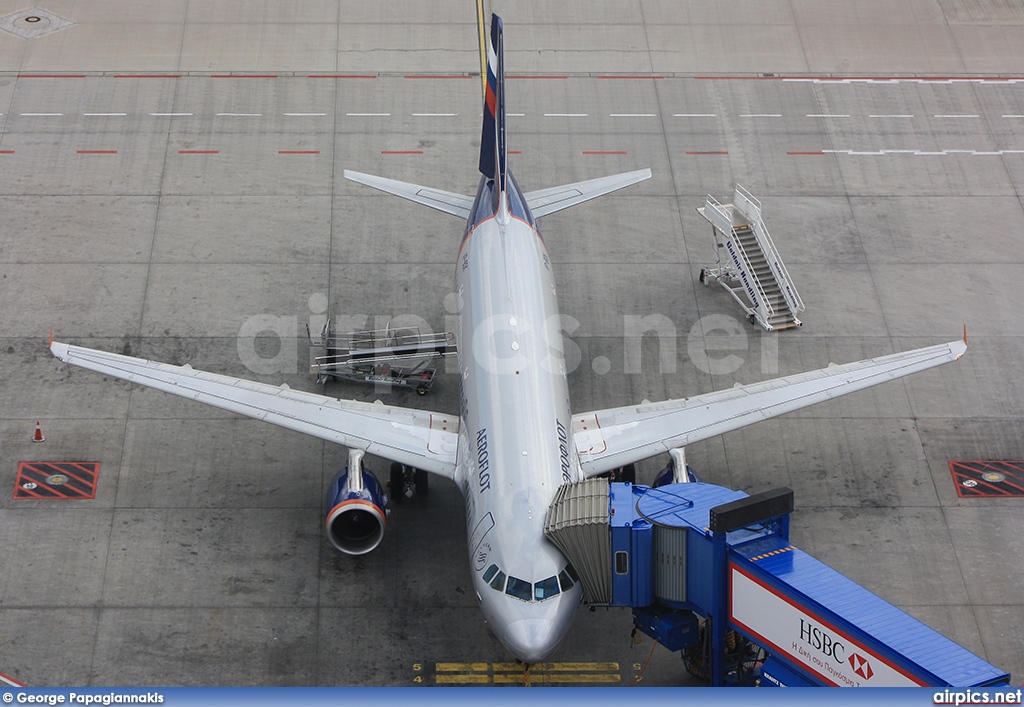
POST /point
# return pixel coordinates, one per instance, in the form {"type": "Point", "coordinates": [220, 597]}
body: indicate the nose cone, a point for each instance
{"type": "Point", "coordinates": [532, 640]}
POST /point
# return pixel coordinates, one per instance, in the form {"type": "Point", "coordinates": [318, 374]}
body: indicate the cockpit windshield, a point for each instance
{"type": "Point", "coordinates": [525, 591]}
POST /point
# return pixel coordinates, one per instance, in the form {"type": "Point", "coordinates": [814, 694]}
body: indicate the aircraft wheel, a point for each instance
{"type": "Point", "coordinates": [703, 277]}
{"type": "Point", "coordinates": [397, 482]}
{"type": "Point", "coordinates": [422, 484]}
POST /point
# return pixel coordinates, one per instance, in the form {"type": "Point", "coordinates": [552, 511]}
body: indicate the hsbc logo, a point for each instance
{"type": "Point", "coordinates": [861, 666]}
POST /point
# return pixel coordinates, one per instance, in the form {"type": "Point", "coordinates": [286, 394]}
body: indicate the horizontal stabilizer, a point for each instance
{"type": "Point", "coordinates": [548, 201]}
{"type": "Point", "coordinates": [446, 201]}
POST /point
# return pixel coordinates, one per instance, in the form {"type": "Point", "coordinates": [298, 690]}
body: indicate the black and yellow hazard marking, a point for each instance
{"type": "Point", "coordinates": [976, 479]}
{"type": "Point", "coordinates": [65, 480]}
{"type": "Point", "coordinates": [598, 673]}
{"type": "Point", "coordinates": [773, 553]}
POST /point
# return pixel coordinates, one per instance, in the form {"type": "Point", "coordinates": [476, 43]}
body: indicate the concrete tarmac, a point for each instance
{"type": "Point", "coordinates": [171, 187]}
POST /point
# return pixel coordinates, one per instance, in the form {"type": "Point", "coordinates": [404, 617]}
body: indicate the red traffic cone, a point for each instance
{"type": "Point", "coordinates": [38, 437]}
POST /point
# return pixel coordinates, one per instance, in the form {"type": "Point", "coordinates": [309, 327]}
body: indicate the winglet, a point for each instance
{"type": "Point", "coordinates": [965, 334]}
{"type": "Point", "coordinates": [51, 337]}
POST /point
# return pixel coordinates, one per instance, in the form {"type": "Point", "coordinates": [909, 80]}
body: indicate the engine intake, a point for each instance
{"type": "Point", "coordinates": [355, 519]}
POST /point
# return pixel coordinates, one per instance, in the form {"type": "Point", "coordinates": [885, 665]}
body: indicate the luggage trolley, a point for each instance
{"type": "Point", "coordinates": [402, 358]}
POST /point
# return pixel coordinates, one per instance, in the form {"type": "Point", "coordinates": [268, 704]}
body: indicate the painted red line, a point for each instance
{"type": "Point", "coordinates": [401, 152]}
{"type": "Point", "coordinates": [720, 152]}
{"type": "Point", "coordinates": [515, 152]}
{"type": "Point", "coordinates": [339, 76]}
{"type": "Point", "coordinates": [51, 76]}
{"type": "Point", "coordinates": [632, 77]}
{"type": "Point", "coordinates": [298, 152]}
{"type": "Point", "coordinates": [243, 76]}
{"type": "Point", "coordinates": [429, 76]}
{"type": "Point", "coordinates": [537, 77]}
{"type": "Point", "coordinates": [817, 152]}
{"type": "Point", "coordinates": [605, 152]}
{"type": "Point", "coordinates": [147, 76]}
{"type": "Point", "coordinates": [198, 152]}
{"type": "Point", "coordinates": [97, 152]}
{"type": "Point", "coordinates": [6, 152]}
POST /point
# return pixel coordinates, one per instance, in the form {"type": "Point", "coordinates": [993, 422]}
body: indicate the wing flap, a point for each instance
{"type": "Point", "coordinates": [417, 438]}
{"type": "Point", "coordinates": [446, 201]}
{"type": "Point", "coordinates": [607, 439]}
{"type": "Point", "coordinates": [547, 201]}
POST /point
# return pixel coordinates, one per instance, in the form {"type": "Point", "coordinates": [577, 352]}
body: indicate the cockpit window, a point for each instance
{"type": "Point", "coordinates": [499, 581]}
{"type": "Point", "coordinates": [490, 573]}
{"type": "Point", "coordinates": [519, 588]}
{"type": "Point", "coordinates": [545, 588]}
{"type": "Point", "coordinates": [564, 581]}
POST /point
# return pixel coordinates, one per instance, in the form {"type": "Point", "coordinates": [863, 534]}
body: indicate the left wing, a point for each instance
{"type": "Point", "coordinates": [424, 440]}
{"type": "Point", "coordinates": [607, 439]}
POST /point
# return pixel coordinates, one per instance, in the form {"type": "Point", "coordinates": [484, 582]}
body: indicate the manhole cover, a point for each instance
{"type": "Point", "coordinates": [988, 478]}
{"type": "Point", "coordinates": [33, 22]}
{"type": "Point", "coordinates": [56, 480]}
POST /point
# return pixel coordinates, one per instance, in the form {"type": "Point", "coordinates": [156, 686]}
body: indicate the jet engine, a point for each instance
{"type": "Point", "coordinates": [355, 518]}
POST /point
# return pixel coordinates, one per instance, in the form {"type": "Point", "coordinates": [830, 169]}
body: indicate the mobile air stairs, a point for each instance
{"type": "Point", "coordinates": [711, 572]}
{"type": "Point", "coordinates": [402, 358]}
{"type": "Point", "coordinates": [753, 272]}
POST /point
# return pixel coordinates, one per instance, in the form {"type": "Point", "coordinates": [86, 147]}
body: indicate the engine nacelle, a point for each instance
{"type": "Point", "coordinates": [355, 517]}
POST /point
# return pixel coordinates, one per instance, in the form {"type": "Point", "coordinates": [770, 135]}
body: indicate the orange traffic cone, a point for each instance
{"type": "Point", "coordinates": [38, 437]}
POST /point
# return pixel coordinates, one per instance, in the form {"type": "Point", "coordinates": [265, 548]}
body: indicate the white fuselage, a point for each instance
{"type": "Point", "coordinates": [515, 446]}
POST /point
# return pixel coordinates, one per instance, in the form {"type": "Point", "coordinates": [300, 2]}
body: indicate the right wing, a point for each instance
{"type": "Point", "coordinates": [608, 439]}
{"type": "Point", "coordinates": [446, 201]}
{"type": "Point", "coordinates": [420, 439]}
{"type": "Point", "coordinates": [547, 201]}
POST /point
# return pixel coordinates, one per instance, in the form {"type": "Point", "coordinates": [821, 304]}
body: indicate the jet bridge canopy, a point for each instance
{"type": "Point", "coordinates": [813, 626]}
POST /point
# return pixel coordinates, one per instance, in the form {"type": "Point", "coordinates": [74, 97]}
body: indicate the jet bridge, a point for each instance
{"type": "Point", "coordinates": [711, 572]}
{"type": "Point", "coordinates": [752, 271]}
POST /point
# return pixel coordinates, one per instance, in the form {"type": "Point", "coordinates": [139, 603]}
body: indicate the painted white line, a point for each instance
{"type": "Point", "coordinates": [632, 115]}
{"type": "Point", "coordinates": [694, 115]}
{"type": "Point", "coordinates": [761, 115]}
{"type": "Point", "coordinates": [105, 114]}
{"type": "Point", "coordinates": [368, 115]}
{"type": "Point", "coordinates": [1013, 116]}
{"type": "Point", "coordinates": [303, 114]}
{"type": "Point", "coordinates": [927, 153]}
{"type": "Point", "coordinates": [434, 115]}
{"type": "Point", "coordinates": [515, 115]}
{"type": "Point", "coordinates": [956, 116]}
{"type": "Point", "coordinates": [827, 115]}
{"type": "Point", "coordinates": [41, 115]}
{"type": "Point", "coordinates": [172, 115]}
{"type": "Point", "coordinates": [565, 115]}
{"type": "Point", "coordinates": [239, 115]}
{"type": "Point", "coordinates": [890, 116]}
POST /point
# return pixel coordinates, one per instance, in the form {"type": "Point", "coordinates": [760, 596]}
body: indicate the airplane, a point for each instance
{"type": "Point", "coordinates": [516, 438]}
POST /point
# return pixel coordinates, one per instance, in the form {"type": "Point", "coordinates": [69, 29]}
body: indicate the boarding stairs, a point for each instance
{"type": "Point", "coordinates": [752, 271]}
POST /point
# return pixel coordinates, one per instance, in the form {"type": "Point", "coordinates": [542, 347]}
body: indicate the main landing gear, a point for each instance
{"type": "Point", "coordinates": [407, 482]}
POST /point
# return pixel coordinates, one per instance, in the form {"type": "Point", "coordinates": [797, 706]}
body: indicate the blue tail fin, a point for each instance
{"type": "Point", "coordinates": [493, 162]}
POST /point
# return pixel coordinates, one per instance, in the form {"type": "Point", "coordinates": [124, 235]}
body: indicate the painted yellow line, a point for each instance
{"type": "Point", "coordinates": [462, 679]}
{"type": "Point", "coordinates": [462, 667]}
{"type": "Point", "coordinates": [561, 678]}
{"type": "Point", "coordinates": [550, 667]}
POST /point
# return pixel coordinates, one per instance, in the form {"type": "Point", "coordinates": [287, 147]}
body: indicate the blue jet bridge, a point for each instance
{"type": "Point", "coordinates": [711, 572]}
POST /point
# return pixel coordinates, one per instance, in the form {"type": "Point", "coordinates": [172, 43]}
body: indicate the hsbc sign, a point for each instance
{"type": "Point", "coordinates": [784, 628]}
